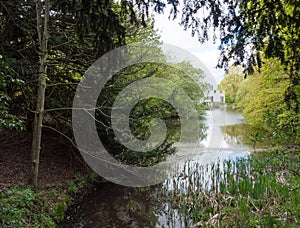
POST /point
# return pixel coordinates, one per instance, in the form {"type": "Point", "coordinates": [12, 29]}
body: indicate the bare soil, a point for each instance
{"type": "Point", "coordinates": [59, 161]}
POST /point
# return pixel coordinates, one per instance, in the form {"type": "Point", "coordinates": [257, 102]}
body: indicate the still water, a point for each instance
{"type": "Point", "coordinates": [111, 205]}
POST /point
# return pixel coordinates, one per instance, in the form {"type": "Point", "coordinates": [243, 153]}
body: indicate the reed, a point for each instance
{"type": "Point", "coordinates": [251, 192]}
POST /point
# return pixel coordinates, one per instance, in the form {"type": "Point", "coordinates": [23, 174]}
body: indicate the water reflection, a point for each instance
{"type": "Point", "coordinates": [219, 142]}
{"type": "Point", "coordinates": [111, 205]}
{"type": "Point", "coordinates": [243, 134]}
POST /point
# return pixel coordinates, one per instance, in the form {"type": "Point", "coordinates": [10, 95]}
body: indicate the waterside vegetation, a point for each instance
{"type": "Point", "coordinates": [260, 191]}
{"type": "Point", "coordinates": [46, 47]}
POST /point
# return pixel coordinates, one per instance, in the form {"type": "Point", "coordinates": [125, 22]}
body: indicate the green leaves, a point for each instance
{"type": "Point", "coordinates": [262, 96]}
{"type": "Point", "coordinates": [246, 29]}
{"type": "Point", "coordinates": [231, 82]}
{"type": "Point", "coordinates": [181, 76]}
{"type": "Point", "coordinates": [7, 119]}
{"type": "Point", "coordinates": [14, 205]}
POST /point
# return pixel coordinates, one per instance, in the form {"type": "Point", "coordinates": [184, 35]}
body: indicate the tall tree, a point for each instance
{"type": "Point", "coordinates": [261, 98]}
{"type": "Point", "coordinates": [42, 19]}
{"type": "Point", "coordinates": [82, 30]}
{"type": "Point", "coordinates": [245, 28]}
{"type": "Point", "coordinates": [230, 84]}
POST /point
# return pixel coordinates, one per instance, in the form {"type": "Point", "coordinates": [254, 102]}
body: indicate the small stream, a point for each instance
{"type": "Point", "coordinates": [112, 205]}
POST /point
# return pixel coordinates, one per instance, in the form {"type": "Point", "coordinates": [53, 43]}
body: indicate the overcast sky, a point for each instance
{"type": "Point", "coordinates": [172, 33]}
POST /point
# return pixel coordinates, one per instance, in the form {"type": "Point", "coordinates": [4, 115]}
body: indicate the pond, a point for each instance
{"type": "Point", "coordinates": [111, 205]}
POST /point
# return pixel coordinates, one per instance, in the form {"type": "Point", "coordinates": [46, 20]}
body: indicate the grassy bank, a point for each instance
{"type": "Point", "coordinates": [22, 206]}
{"type": "Point", "coordinates": [262, 191]}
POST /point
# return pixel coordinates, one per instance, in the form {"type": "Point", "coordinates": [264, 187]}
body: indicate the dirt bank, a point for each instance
{"type": "Point", "coordinates": [59, 161]}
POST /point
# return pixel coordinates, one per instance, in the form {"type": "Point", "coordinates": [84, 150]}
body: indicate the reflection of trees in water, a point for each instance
{"type": "Point", "coordinates": [243, 134]}
{"type": "Point", "coordinates": [113, 205]}
{"type": "Point", "coordinates": [236, 134]}
{"type": "Point", "coordinates": [174, 129]}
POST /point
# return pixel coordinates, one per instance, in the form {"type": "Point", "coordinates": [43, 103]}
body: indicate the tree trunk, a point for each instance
{"type": "Point", "coordinates": [43, 33]}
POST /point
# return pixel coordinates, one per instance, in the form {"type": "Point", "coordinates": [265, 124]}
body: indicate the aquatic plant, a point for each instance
{"type": "Point", "coordinates": [257, 191]}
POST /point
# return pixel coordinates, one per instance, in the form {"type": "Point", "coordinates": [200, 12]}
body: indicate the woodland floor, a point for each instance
{"type": "Point", "coordinates": [58, 162]}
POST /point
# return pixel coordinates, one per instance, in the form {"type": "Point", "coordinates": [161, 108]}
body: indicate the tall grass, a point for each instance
{"type": "Point", "coordinates": [257, 191]}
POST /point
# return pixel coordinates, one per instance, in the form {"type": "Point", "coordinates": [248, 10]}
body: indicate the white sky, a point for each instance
{"type": "Point", "coordinates": [172, 33]}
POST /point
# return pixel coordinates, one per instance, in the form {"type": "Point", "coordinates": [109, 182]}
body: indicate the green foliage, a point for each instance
{"type": "Point", "coordinates": [231, 82]}
{"type": "Point", "coordinates": [18, 207]}
{"type": "Point", "coordinates": [242, 24]}
{"type": "Point", "coordinates": [78, 183]}
{"type": "Point", "coordinates": [85, 37]}
{"type": "Point", "coordinates": [90, 29]}
{"type": "Point", "coordinates": [21, 206]}
{"type": "Point", "coordinates": [289, 126]}
{"type": "Point", "coordinates": [7, 119]}
{"type": "Point", "coordinates": [261, 97]}
{"type": "Point", "coordinates": [59, 211]}
{"type": "Point", "coordinates": [247, 30]}
{"type": "Point", "coordinates": [228, 99]}
{"type": "Point", "coordinates": [180, 75]}
{"type": "Point", "coordinates": [14, 205]}
{"type": "Point", "coordinates": [270, 26]}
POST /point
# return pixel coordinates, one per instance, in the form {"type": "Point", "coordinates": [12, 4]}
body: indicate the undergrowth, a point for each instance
{"type": "Point", "coordinates": [22, 206]}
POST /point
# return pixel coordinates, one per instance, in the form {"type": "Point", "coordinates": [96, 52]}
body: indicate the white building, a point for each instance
{"type": "Point", "coordinates": [215, 96]}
